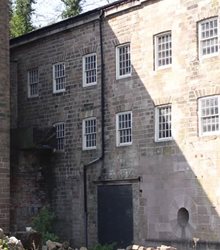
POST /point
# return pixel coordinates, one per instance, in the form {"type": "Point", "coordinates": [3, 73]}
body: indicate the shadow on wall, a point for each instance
{"type": "Point", "coordinates": [176, 201]}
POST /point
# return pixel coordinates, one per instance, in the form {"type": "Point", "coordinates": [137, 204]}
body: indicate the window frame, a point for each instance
{"type": "Point", "coordinates": [84, 139]}
{"type": "Point", "coordinates": [156, 52]}
{"type": "Point", "coordinates": [55, 91]}
{"type": "Point", "coordinates": [157, 124]}
{"type": "Point", "coordinates": [201, 56]}
{"type": "Point", "coordinates": [118, 76]}
{"type": "Point", "coordinates": [29, 83]}
{"type": "Point", "coordinates": [85, 84]}
{"type": "Point", "coordinates": [58, 138]}
{"type": "Point", "coordinates": [201, 133]}
{"type": "Point", "coordinates": [118, 143]}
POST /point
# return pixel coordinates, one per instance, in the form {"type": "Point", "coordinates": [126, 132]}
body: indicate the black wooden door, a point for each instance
{"type": "Point", "coordinates": [115, 215]}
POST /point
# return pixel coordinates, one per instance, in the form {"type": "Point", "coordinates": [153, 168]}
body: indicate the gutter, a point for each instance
{"type": "Point", "coordinates": [101, 157]}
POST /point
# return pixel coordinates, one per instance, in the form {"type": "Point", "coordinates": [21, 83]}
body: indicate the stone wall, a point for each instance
{"type": "Point", "coordinates": [177, 174]}
{"type": "Point", "coordinates": [182, 173]}
{"type": "Point", "coordinates": [4, 117]}
{"type": "Point", "coordinates": [168, 178]}
{"type": "Point", "coordinates": [64, 176]}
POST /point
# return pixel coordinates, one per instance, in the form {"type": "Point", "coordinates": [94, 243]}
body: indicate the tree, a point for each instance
{"type": "Point", "coordinates": [72, 8]}
{"type": "Point", "coordinates": [20, 22]}
{"type": "Point", "coordinates": [10, 9]}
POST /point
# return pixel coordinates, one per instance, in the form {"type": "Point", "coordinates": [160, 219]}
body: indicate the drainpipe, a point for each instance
{"type": "Point", "coordinates": [85, 167]}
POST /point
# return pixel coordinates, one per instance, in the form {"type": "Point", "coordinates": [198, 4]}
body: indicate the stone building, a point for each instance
{"type": "Point", "coordinates": [131, 93]}
{"type": "Point", "coordinates": [5, 116]}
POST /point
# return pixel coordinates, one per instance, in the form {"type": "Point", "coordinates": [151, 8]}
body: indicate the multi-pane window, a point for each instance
{"type": "Point", "coordinates": [123, 61]}
{"type": "Point", "coordinates": [208, 37]}
{"type": "Point", "coordinates": [89, 69]}
{"type": "Point", "coordinates": [124, 128]}
{"type": "Point", "coordinates": [89, 133]}
{"type": "Point", "coordinates": [33, 80]}
{"type": "Point", "coordinates": [163, 123]}
{"type": "Point", "coordinates": [60, 135]}
{"type": "Point", "coordinates": [59, 77]}
{"type": "Point", "coordinates": [209, 108]}
{"type": "Point", "coordinates": [163, 50]}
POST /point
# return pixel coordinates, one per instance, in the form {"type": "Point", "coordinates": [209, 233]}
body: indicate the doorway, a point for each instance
{"type": "Point", "coordinates": [115, 215]}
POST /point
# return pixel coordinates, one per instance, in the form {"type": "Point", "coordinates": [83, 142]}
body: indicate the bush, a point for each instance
{"type": "Point", "coordinates": [104, 247]}
{"type": "Point", "coordinates": [43, 223]}
{"type": "Point", "coordinates": [4, 244]}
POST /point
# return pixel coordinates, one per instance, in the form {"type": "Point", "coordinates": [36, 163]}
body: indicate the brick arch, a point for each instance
{"type": "Point", "coordinates": [89, 50]}
{"type": "Point", "coordinates": [215, 90]}
{"type": "Point", "coordinates": [163, 100]}
{"type": "Point", "coordinates": [207, 13]}
{"type": "Point", "coordinates": [124, 39]}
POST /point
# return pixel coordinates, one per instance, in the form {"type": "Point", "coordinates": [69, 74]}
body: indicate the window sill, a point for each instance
{"type": "Point", "coordinates": [88, 149]}
{"type": "Point", "coordinates": [123, 77]}
{"type": "Point", "coordinates": [85, 85]}
{"type": "Point", "coordinates": [33, 96]}
{"type": "Point", "coordinates": [59, 92]}
{"type": "Point", "coordinates": [159, 68]}
{"type": "Point", "coordinates": [164, 140]}
{"type": "Point", "coordinates": [206, 57]}
{"type": "Point", "coordinates": [209, 135]}
{"type": "Point", "coordinates": [56, 151]}
{"type": "Point", "coordinates": [123, 145]}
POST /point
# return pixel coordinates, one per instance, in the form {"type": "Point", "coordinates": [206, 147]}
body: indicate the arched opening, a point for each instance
{"type": "Point", "coordinates": [183, 217]}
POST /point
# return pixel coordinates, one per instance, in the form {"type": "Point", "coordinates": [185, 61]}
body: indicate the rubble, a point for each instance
{"type": "Point", "coordinates": [52, 245]}
{"type": "Point", "coordinates": [34, 243]}
{"type": "Point", "coordinates": [138, 247]}
{"type": "Point", "coordinates": [9, 243]}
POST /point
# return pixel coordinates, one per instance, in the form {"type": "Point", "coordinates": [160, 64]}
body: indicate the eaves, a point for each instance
{"type": "Point", "coordinates": [75, 21]}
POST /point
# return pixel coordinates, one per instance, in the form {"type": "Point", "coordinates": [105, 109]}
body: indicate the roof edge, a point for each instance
{"type": "Point", "coordinates": [63, 25]}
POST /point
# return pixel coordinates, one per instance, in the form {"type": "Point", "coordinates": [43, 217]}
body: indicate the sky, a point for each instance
{"type": "Point", "coordinates": [49, 11]}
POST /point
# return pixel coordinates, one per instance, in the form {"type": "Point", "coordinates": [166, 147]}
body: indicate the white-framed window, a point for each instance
{"type": "Point", "coordinates": [124, 128]}
{"type": "Point", "coordinates": [123, 61]}
{"type": "Point", "coordinates": [33, 81]}
{"type": "Point", "coordinates": [59, 77]}
{"type": "Point", "coordinates": [163, 123]}
{"type": "Point", "coordinates": [89, 133]}
{"type": "Point", "coordinates": [209, 37]}
{"type": "Point", "coordinates": [60, 135]}
{"type": "Point", "coordinates": [209, 111]}
{"type": "Point", "coordinates": [163, 50]}
{"type": "Point", "coordinates": [89, 70]}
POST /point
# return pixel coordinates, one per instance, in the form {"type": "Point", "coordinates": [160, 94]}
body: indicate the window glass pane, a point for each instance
{"type": "Point", "coordinates": [209, 36]}
{"type": "Point", "coordinates": [164, 49]}
{"type": "Point", "coordinates": [124, 128]}
{"type": "Point", "coordinates": [33, 82]}
{"type": "Point", "coordinates": [124, 61]}
{"type": "Point", "coordinates": [90, 133]}
{"type": "Point", "coordinates": [59, 76]}
{"type": "Point", "coordinates": [60, 132]}
{"type": "Point", "coordinates": [209, 114]}
{"type": "Point", "coordinates": [90, 69]}
{"type": "Point", "coordinates": [164, 122]}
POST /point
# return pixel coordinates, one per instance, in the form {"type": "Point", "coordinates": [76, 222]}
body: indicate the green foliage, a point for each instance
{"type": "Point", "coordinates": [104, 247]}
{"type": "Point", "coordinates": [72, 8]}
{"type": "Point", "coordinates": [43, 223]}
{"type": "Point", "coordinates": [20, 17]}
{"type": "Point", "coordinates": [10, 9]}
{"type": "Point", "coordinates": [4, 244]}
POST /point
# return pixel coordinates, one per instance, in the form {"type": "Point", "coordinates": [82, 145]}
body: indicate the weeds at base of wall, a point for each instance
{"type": "Point", "coordinates": [104, 247]}
{"type": "Point", "coordinates": [43, 222]}
{"type": "Point", "coordinates": [3, 244]}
